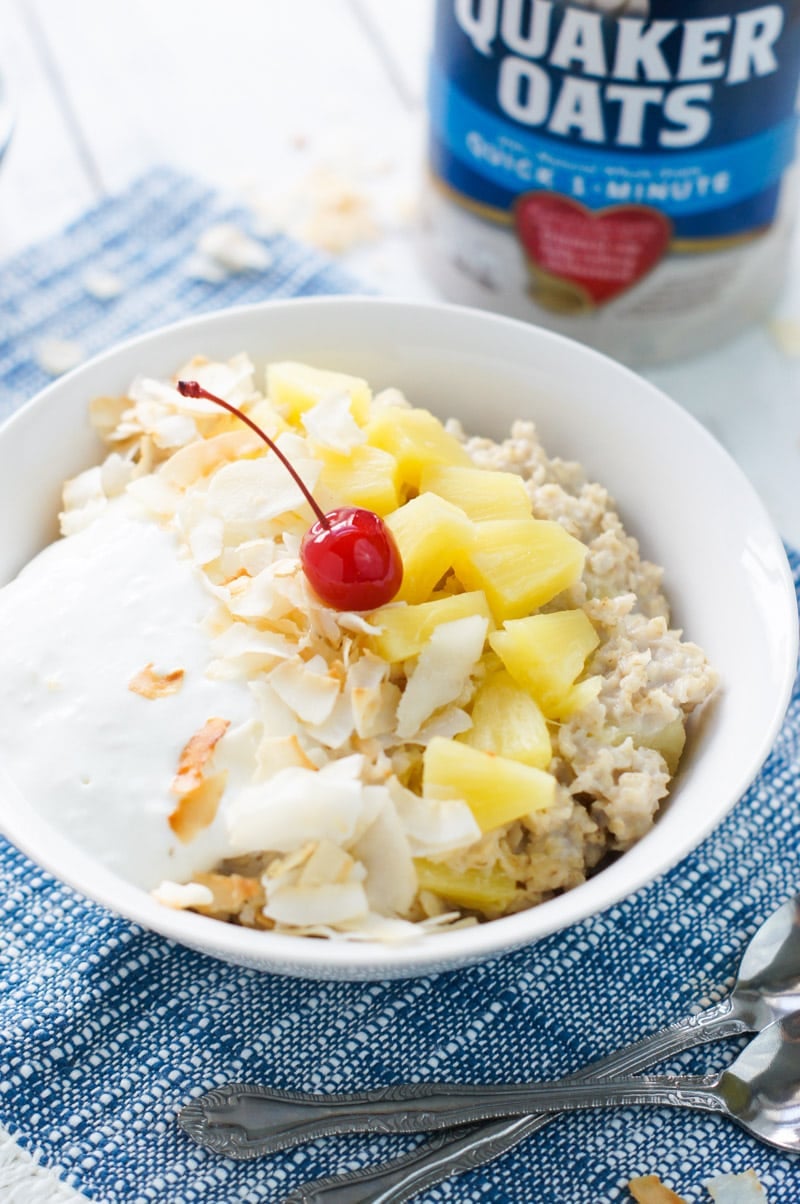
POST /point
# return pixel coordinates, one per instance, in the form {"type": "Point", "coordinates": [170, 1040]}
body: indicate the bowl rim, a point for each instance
{"type": "Point", "coordinates": [301, 956]}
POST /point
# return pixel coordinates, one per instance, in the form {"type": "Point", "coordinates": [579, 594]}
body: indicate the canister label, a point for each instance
{"type": "Point", "coordinates": [607, 141]}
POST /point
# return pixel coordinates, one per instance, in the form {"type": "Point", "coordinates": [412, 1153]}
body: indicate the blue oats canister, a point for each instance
{"type": "Point", "coordinates": [622, 171]}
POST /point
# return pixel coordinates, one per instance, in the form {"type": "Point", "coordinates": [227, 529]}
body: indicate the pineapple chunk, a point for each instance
{"type": "Point", "coordinates": [416, 439]}
{"type": "Point", "coordinates": [293, 388]}
{"type": "Point", "coordinates": [495, 789]}
{"type": "Point", "coordinates": [366, 477]}
{"type": "Point", "coordinates": [545, 654]}
{"type": "Point", "coordinates": [577, 697]}
{"type": "Point", "coordinates": [429, 532]}
{"type": "Point", "coordinates": [480, 493]}
{"type": "Point", "coordinates": [478, 890]}
{"type": "Point", "coordinates": [406, 629]}
{"type": "Point", "coordinates": [507, 721]}
{"type": "Point", "coordinates": [520, 563]}
{"type": "Point", "coordinates": [667, 740]}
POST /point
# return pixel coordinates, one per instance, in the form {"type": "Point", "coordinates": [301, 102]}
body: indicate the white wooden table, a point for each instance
{"type": "Point", "coordinates": [256, 94]}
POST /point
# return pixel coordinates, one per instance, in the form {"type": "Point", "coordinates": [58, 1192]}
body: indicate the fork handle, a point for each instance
{"type": "Point", "coordinates": [396, 1181]}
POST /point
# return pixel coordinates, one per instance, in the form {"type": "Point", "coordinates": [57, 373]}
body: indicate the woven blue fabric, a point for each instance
{"type": "Point", "coordinates": [107, 1030]}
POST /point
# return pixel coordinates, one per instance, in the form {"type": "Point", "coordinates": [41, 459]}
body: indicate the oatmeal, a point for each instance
{"type": "Point", "coordinates": [486, 739]}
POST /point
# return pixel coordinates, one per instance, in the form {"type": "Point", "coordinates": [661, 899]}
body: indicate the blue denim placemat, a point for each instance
{"type": "Point", "coordinates": [106, 1030]}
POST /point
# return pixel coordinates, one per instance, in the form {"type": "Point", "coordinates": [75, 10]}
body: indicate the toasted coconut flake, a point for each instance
{"type": "Point", "coordinates": [84, 489]}
{"type": "Point", "coordinates": [116, 473]}
{"type": "Point", "coordinates": [197, 807]}
{"type": "Point", "coordinates": [149, 683]}
{"type": "Point", "coordinates": [308, 689]}
{"type": "Point", "coordinates": [330, 423]}
{"type": "Point", "coordinates": [196, 754]}
{"type": "Point", "coordinates": [229, 893]}
{"type": "Point", "coordinates": [744, 1188]}
{"type": "Point", "coordinates": [298, 805]}
{"type": "Point", "coordinates": [234, 379]}
{"type": "Point", "coordinates": [206, 541]}
{"type": "Point", "coordinates": [182, 895]}
{"type": "Point", "coordinates": [328, 865]}
{"type": "Point", "coordinates": [84, 500]}
{"type": "Point", "coordinates": [190, 464]}
{"type": "Point", "coordinates": [375, 710]}
{"type": "Point", "coordinates": [280, 752]}
{"type": "Point", "coordinates": [299, 906]}
{"type": "Point", "coordinates": [174, 431]}
{"type": "Point", "coordinates": [442, 671]}
{"type": "Point", "coordinates": [337, 730]}
{"type": "Point", "coordinates": [248, 494]}
{"type": "Point", "coordinates": [433, 827]}
{"type": "Point", "coordinates": [648, 1189]}
{"type": "Point", "coordinates": [247, 650]}
{"type": "Point", "coordinates": [155, 495]}
{"type": "Point", "coordinates": [383, 850]}
{"type": "Point", "coordinates": [277, 719]}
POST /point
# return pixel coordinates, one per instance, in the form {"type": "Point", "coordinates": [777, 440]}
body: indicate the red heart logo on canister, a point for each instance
{"type": "Point", "coordinates": [579, 258]}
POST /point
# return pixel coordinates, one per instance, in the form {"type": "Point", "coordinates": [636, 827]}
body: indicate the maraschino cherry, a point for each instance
{"type": "Point", "coordinates": [349, 555]}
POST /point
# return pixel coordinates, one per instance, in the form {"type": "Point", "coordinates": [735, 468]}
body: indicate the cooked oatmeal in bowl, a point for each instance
{"type": "Point", "coordinates": [491, 752]}
{"type": "Point", "coordinates": [508, 720]}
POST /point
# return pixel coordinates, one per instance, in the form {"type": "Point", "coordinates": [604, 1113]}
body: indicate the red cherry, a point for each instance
{"type": "Point", "coordinates": [349, 555]}
{"type": "Point", "coordinates": [353, 563]}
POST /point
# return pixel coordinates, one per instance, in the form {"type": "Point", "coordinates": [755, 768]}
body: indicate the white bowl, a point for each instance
{"type": "Point", "coordinates": [677, 490]}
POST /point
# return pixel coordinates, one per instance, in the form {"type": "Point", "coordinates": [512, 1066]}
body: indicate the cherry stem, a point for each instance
{"type": "Point", "coordinates": [192, 388]}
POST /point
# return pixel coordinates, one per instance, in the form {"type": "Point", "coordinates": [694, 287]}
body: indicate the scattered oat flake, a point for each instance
{"type": "Point", "coordinates": [56, 356]}
{"type": "Point", "coordinates": [151, 684]}
{"type": "Point", "coordinates": [650, 1190]}
{"type": "Point", "coordinates": [196, 755]}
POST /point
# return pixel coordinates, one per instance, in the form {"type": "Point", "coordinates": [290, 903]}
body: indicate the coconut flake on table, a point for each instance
{"type": "Point", "coordinates": [229, 248]}
{"type": "Point", "coordinates": [57, 356]}
{"type": "Point", "coordinates": [102, 284]}
{"type": "Point", "coordinates": [744, 1188]}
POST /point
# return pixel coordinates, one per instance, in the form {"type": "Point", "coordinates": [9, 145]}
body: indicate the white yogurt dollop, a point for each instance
{"type": "Point", "coordinates": [97, 760]}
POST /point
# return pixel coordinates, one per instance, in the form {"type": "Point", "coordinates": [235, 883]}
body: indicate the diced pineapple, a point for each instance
{"type": "Point", "coordinates": [294, 387]}
{"type": "Point", "coordinates": [416, 439]}
{"type": "Point", "coordinates": [366, 477]}
{"type": "Point", "coordinates": [406, 629]}
{"type": "Point", "coordinates": [668, 740]}
{"type": "Point", "coordinates": [507, 721]}
{"type": "Point", "coordinates": [520, 564]}
{"type": "Point", "coordinates": [480, 493]}
{"type": "Point", "coordinates": [577, 697]}
{"type": "Point", "coordinates": [429, 533]}
{"type": "Point", "coordinates": [546, 653]}
{"type": "Point", "coordinates": [488, 890]}
{"type": "Point", "coordinates": [495, 789]}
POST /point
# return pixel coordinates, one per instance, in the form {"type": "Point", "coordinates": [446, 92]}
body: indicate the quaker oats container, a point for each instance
{"type": "Point", "coordinates": [620, 171]}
